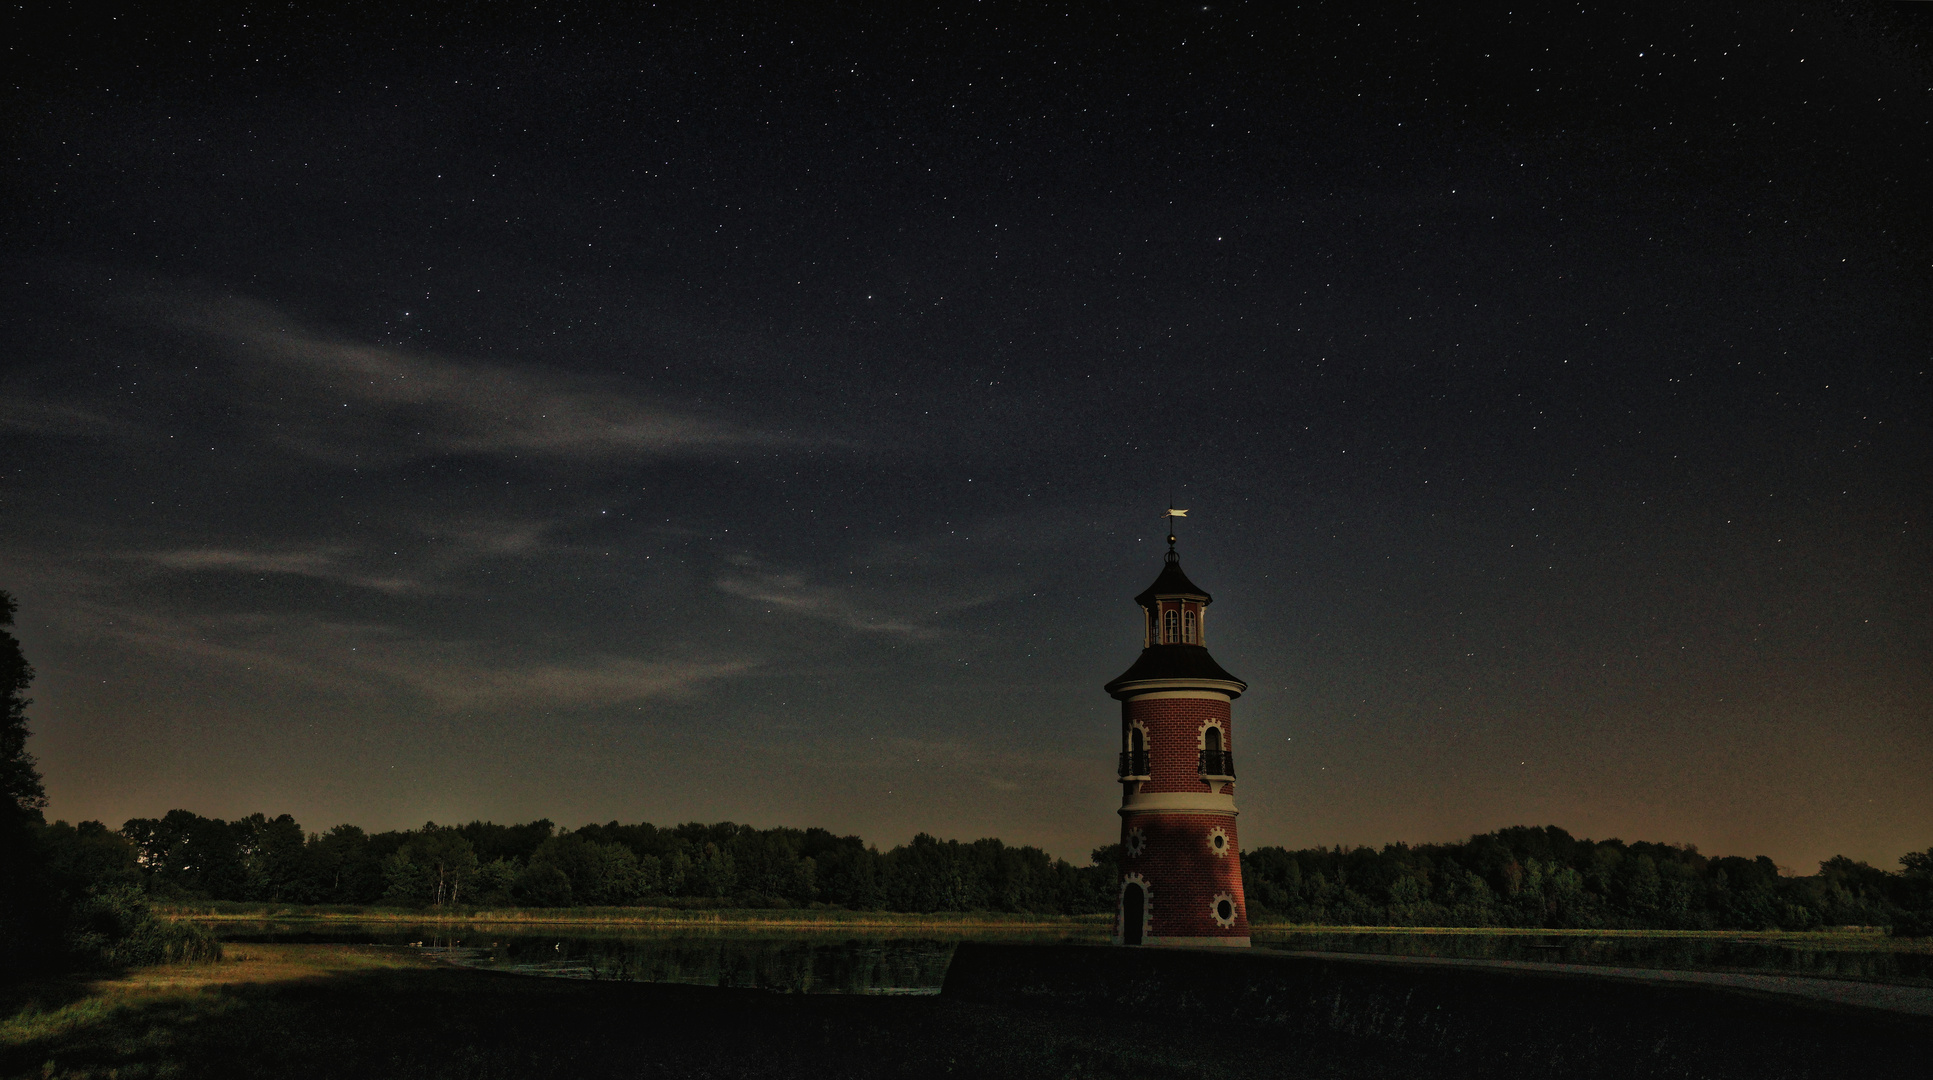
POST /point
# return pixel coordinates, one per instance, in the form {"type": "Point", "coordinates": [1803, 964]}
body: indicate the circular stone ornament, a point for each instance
{"type": "Point", "coordinates": [1222, 907]}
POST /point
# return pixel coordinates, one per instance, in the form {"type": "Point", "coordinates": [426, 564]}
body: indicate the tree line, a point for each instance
{"type": "Point", "coordinates": [1523, 876]}
{"type": "Point", "coordinates": [1544, 877]}
{"type": "Point", "coordinates": [185, 856]}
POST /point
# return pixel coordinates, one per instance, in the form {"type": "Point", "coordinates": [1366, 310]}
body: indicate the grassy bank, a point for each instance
{"type": "Point", "coordinates": [314, 1011]}
{"type": "Point", "coordinates": [774, 918]}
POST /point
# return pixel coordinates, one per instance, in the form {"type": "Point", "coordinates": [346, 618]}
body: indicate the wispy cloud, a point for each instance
{"type": "Point", "coordinates": [300, 649]}
{"type": "Point", "coordinates": [344, 400]}
{"type": "Point", "coordinates": [383, 661]}
{"type": "Point", "coordinates": [598, 681]}
{"type": "Point", "coordinates": [326, 564]}
{"type": "Point", "coordinates": [475, 538]}
{"type": "Point", "coordinates": [419, 555]}
{"type": "Point", "coordinates": [1004, 770]}
{"type": "Point", "coordinates": [791, 592]}
{"type": "Point", "coordinates": [50, 418]}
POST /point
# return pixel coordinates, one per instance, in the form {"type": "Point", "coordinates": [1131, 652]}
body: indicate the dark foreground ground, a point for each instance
{"type": "Point", "coordinates": [345, 1011]}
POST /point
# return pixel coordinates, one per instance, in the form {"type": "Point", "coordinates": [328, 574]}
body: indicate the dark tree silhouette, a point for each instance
{"type": "Point", "coordinates": [22, 795]}
{"type": "Point", "coordinates": [30, 914]}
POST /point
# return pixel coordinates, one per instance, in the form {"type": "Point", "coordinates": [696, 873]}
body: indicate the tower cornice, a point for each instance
{"type": "Point", "coordinates": [1123, 689]}
{"type": "Point", "coordinates": [1175, 667]}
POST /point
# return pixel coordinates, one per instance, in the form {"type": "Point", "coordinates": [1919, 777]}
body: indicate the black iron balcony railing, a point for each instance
{"type": "Point", "coordinates": [1134, 763]}
{"type": "Point", "coordinates": [1218, 763]}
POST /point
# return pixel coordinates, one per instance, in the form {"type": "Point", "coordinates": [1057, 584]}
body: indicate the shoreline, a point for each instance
{"type": "Point", "coordinates": [805, 919]}
{"type": "Point", "coordinates": [668, 917]}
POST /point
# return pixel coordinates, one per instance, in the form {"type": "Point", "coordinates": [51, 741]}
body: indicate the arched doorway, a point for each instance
{"type": "Point", "coordinates": [1134, 904]}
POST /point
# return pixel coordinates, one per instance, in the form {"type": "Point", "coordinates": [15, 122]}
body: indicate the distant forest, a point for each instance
{"type": "Point", "coordinates": [1524, 876]}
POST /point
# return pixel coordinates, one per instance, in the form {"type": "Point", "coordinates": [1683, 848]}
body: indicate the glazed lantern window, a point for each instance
{"type": "Point", "coordinates": [1188, 626]}
{"type": "Point", "coordinates": [1171, 626]}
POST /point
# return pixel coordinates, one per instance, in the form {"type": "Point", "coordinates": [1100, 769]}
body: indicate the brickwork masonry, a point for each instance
{"type": "Point", "coordinates": [1186, 874]}
{"type": "Point", "coordinates": [1174, 728]}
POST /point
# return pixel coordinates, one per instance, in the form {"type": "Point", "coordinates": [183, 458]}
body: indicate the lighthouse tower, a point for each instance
{"type": "Point", "coordinates": [1181, 872]}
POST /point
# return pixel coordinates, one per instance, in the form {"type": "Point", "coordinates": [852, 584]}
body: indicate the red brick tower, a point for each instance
{"type": "Point", "coordinates": [1181, 871]}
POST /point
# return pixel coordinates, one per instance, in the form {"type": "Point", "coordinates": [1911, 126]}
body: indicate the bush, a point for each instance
{"type": "Point", "coordinates": [113, 927]}
{"type": "Point", "coordinates": [542, 885]}
{"type": "Point", "coordinates": [1912, 924]}
{"type": "Point", "coordinates": [165, 941]}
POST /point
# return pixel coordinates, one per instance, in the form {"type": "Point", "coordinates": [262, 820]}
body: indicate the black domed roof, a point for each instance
{"type": "Point", "coordinates": [1172, 582]}
{"type": "Point", "coordinates": [1178, 664]}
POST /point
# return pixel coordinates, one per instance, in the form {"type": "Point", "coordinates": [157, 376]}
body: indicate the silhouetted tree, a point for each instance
{"type": "Point", "coordinates": [185, 855]}
{"type": "Point", "coordinates": [598, 873]}
{"type": "Point", "coordinates": [432, 867]}
{"type": "Point", "coordinates": [28, 909]}
{"type": "Point", "coordinates": [22, 795]}
{"type": "Point", "coordinates": [339, 868]}
{"type": "Point", "coordinates": [274, 853]}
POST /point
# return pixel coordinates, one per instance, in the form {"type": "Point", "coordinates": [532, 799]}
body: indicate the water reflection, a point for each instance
{"type": "Point", "coordinates": [793, 961]}
{"type": "Point", "coordinates": [914, 961]}
{"type": "Point", "coordinates": [1867, 958]}
{"type": "Point", "coordinates": [809, 965]}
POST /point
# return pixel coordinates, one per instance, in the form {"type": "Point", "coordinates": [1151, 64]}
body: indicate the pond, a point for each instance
{"type": "Point", "coordinates": [791, 960]}
{"type": "Point", "coordinates": [914, 961]}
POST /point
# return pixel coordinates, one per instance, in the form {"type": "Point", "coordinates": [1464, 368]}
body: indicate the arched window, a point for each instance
{"type": "Point", "coordinates": [1216, 761]}
{"type": "Point", "coordinates": [1171, 626]}
{"type": "Point", "coordinates": [1188, 626]}
{"type": "Point", "coordinates": [1134, 760]}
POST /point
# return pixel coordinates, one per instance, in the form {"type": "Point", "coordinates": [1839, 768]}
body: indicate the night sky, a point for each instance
{"type": "Point", "coordinates": [730, 412]}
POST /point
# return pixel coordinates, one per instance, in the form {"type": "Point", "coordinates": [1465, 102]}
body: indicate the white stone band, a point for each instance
{"type": "Point", "coordinates": [1209, 695]}
{"type": "Point", "coordinates": [1143, 687]}
{"type": "Point", "coordinates": [1178, 802]}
